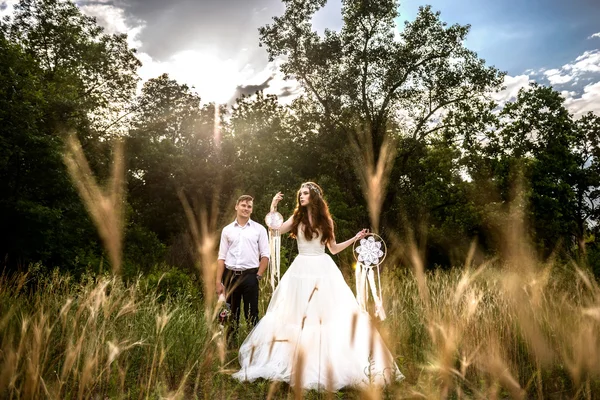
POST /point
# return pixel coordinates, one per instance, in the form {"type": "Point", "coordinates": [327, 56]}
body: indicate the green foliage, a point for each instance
{"type": "Point", "coordinates": [85, 69]}
{"type": "Point", "coordinates": [165, 282]}
{"type": "Point", "coordinates": [47, 222]}
{"type": "Point", "coordinates": [169, 148]}
{"type": "Point", "coordinates": [58, 72]}
{"type": "Point", "coordinates": [142, 251]}
{"type": "Point", "coordinates": [368, 78]}
{"type": "Point", "coordinates": [534, 142]}
{"type": "Point", "coordinates": [459, 157]}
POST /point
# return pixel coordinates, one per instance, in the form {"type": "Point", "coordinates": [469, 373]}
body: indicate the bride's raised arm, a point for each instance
{"type": "Point", "coordinates": [287, 225]}
{"type": "Point", "coordinates": [335, 247]}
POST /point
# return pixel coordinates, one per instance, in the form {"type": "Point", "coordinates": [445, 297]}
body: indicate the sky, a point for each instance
{"type": "Point", "coordinates": [213, 45]}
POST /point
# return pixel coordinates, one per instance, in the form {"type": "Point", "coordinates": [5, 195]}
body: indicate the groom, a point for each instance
{"type": "Point", "coordinates": [243, 258]}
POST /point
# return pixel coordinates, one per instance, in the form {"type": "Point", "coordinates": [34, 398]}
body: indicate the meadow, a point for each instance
{"type": "Point", "coordinates": [498, 330]}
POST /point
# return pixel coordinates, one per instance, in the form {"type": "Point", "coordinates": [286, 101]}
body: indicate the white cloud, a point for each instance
{"type": "Point", "coordinates": [589, 100]}
{"type": "Point", "coordinates": [7, 7]}
{"type": "Point", "coordinates": [595, 35]}
{"type": "Point", "coordinates": [579, 101]}
{"type": "Point", "coordinates": [557, 78]}
{"type": "Point", "coordinates": [213, 78]}
{"type": "Point", "coordinates": [568, 93]}
{"type": "Point", "coordinates": [584, 67]}
{"type": "Point", "coordinates": [512, 85]}
{"type": "Point", "coordinates": [113, 20]}
{"type": "Point", "coordinates": [587, 63]}
{"type": "Point", "coordinates": [277, 84]}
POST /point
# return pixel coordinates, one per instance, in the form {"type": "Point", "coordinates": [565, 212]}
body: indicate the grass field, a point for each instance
{"type": "Point", "coordinates": [509, 331]}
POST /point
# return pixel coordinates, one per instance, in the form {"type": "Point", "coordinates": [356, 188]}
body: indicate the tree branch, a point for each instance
{"type": "Point", "coordinates": [364, 75]}
{"type": "Point", "coordinates": [431, 112]}
{"type": "Point", "coordinates": [400, 82]}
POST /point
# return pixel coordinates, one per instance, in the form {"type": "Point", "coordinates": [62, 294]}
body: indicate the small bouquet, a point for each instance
{"type": "Point", "coordinates": [225, 311]}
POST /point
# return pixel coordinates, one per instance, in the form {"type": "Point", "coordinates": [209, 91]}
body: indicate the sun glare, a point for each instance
{"type": "Point", "coordinates": [212, 78]}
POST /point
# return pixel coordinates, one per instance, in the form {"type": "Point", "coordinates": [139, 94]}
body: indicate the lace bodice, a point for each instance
{"type": "Point", "coordinates": [311, 247]}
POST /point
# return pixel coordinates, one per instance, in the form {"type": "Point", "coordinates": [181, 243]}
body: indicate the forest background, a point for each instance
{"type": "Point", "coordinates": [450, 173]}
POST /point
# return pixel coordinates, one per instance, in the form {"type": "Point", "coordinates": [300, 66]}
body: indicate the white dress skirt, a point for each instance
{"type": "Point", "coordinates": [315, 331]}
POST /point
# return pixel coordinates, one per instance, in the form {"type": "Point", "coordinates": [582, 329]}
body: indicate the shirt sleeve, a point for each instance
{"type": "Point", "coordinates": [263, 243]}
{"type": "Point", "coordinates": [223, 245]}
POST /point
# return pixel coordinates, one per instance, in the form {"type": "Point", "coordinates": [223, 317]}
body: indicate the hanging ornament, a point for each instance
{"type": "Point", "coordinates": [274, 220]}
{"type": "Point", "coordinates": [369, 254]}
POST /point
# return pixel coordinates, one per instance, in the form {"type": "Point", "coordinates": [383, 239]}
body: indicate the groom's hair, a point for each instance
{"type": "Point", "coordinates": [244, 197]}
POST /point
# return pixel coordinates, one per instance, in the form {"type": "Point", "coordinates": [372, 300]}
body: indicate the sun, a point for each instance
{"type": "Point", "coordinates": [213, 78]}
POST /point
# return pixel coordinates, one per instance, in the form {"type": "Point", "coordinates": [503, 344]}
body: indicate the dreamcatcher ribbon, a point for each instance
{"type": "Point", "coordinates": [274, 220]}
{"type": "Point", "coordinates": [369, 255]}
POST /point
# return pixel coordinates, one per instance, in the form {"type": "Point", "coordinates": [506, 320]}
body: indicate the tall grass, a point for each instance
{"type": "Point", "coordinates": [497, 334]}
{"type": "Point", "coordinates": [97, 337]}
{"type": "Point", "coordinates": [487, 333]}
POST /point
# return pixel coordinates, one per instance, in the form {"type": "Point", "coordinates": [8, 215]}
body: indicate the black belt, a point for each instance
{"type": "Point", "coordinates": [243, 272]}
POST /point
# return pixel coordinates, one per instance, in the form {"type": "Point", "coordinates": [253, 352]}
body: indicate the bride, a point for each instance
{"type": "Point", "coordinates": [314, 333]}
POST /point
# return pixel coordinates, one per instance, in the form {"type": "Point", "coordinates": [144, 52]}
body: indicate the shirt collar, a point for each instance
{"type": "Point", "coordinates": [235, 223]}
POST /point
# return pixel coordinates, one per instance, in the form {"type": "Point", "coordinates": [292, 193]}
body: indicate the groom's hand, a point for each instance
{"type": "Point", "coordinates": [220, 288]}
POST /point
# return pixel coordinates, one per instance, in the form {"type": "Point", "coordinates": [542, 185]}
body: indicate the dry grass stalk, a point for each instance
{"type": "Point", "coordinates": [353, 326]}
{"type": "Point", "coordinates": [273, 389]}
{"type": "Point", "coordinates": [492, 361]}
{"type": "Point", "coordinates": [473, 338]}
{"type": "Point", "coordinates": [105, 206]}
{"type": "Point", "coordinates": [298, 373]}
{"type": "Point", "coordinates": [371, 393]}
{"type": "Point", "coordinates": [203, 228]}
{"type": "Point", "coordinates": [272, 346]}
{"type": "Point", "coordinates": [329, 381]}
{"type": "Point", "coordinates": [373, 173]}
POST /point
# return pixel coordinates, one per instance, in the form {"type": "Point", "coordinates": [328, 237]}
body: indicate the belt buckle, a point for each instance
{"type": "Point", "coordinates": [237, 273]}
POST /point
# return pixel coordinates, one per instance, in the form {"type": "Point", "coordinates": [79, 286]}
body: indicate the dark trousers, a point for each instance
{"type": "Point", "coordinates": [242, 287]}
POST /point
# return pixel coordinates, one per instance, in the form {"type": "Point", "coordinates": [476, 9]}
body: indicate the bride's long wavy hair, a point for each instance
{"type": "Point", "coordinates": [322, 221]}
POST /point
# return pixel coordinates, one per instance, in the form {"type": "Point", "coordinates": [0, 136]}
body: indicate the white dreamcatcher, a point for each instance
{"type": "Point", "coordinates": [369, 254]}
{"type": "Point", "coordinates": [274, 220]}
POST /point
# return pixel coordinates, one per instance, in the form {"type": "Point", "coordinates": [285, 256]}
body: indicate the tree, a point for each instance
{"type": "Point", "coordinates": [60, 74]}
{"type": "Point", "coordinates": [586, 177]}
{"type": "Point", "coordinates": [370, 78]}
{"type": "Point", "coordinates": [367, 74]}
{"type": "Point", "coordinates": [93, 74]}
{"type": "Point", "coordinates": [536, 138]}
{"type": "Point", "coordinates": [170, 147]}
{"type": "Point", "coordinates": [262, 153]}
{"type": "Point", "coordinates": [42, 215]}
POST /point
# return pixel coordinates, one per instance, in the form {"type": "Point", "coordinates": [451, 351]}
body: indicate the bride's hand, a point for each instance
{"type": "Point", "coordinates": [361, 234]}
{"type": "Point", "coordinates": [276, 199]}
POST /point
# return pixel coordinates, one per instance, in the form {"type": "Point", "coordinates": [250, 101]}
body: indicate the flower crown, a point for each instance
{"type": "Point", "coordinates": [313, 187]}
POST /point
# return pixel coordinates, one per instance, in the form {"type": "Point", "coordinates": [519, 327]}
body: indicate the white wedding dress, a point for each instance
{"type": "Point", "coordinates": [314, 317]}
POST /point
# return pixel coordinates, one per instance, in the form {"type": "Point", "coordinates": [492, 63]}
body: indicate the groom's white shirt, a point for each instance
{"type": "Point", "coordinates": [242, 247]}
